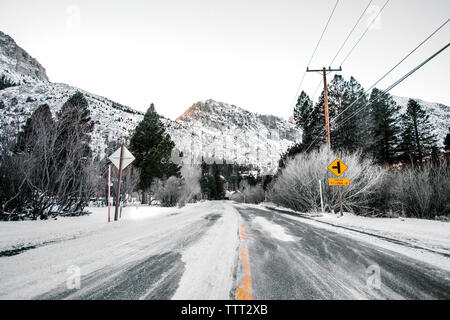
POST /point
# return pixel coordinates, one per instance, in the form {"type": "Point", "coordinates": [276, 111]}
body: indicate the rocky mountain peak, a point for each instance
{"type": "Point", "coordinates": [17, 65]}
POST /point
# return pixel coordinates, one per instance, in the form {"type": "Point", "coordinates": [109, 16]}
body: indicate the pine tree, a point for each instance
{"type": "Point", "coordinates": [302, 110]}
{"type": "Point", "coordinates": [74, 121]}
{"type": "Point", "coordinates": [447, 142]}
{"type": "Point", "coordinates": [306, 117]}
{"type": "Point", "coordinates": [28, 135]}
{"type": "Point", "coordinates": [152, 148]}
{"type": "Point", "coordinates": [383, 127]}
{"type": "Point", "coordinates": [212, 187]}
{"type": "Point", "coordinates": [219, 190]}
{"type": "Point", "coordinates": [418, 139]}
{"type": "Point", "coordinates": [347, 99]}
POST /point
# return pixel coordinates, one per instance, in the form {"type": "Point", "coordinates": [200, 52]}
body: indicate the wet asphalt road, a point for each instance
{"type": "Point", "coordinates": [313, 263]}
{"type": "Point", "coordinates": [320, 264]}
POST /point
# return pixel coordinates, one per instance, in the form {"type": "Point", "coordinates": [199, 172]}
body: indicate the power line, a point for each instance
{"type": "Point", "coordinates": [362, 36]}
{"type": "Point", "coordinates": [351, 32]}
{"type": "Point", "coordinates": [387, 89]}
{"type": "Point", "coordinates": [343, 44]}
{"type": "Point", "coordinates": [314, 52]}
{"type": "Point", "coordinates": [394, 67]}
{"type": "Point", "coordinates": [397, 82]}
{"type": "Point", "coordinates": [323, 32]}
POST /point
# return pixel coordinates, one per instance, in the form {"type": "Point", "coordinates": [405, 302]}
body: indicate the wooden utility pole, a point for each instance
{"type": "Point", "coordinates": [325, 95]}
{"type": "Point", "coordinates": [116, 214]}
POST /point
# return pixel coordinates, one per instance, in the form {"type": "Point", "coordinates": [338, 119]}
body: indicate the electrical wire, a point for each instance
{"type": "Point", "coordinates": [314, 52]}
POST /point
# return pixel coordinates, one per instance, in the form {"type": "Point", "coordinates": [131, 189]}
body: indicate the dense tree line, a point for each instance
{"type": "Point", "coordinates": [371, 123]}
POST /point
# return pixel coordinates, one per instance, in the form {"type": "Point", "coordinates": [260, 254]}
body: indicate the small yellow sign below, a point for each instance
{"type": "Point", "coordinates": [337, 167]}
{"type": "Point", "coordinates": [338, 182]}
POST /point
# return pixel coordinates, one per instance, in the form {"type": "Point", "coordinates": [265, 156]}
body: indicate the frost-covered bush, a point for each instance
{"type": "Point", "coordinates": [422, 192]}
{"type": "Point", "coordinates": [297, 185]}
{"type": "Point", "coordinates": [248, 193]}
{"type": "Point", "coordinates": [167, 192]}
{"type": "Point", "coordinates": [191, 183]}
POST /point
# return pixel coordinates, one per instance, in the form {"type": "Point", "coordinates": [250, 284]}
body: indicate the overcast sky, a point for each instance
{"type": "Point", "coordinates": [248, 53]}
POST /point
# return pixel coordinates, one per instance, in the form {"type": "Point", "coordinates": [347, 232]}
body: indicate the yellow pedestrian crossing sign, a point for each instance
{"type": "Point", "coordinates": [337, 167]}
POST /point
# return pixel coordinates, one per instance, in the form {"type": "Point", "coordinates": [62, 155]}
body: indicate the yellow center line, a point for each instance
{"type": "Point", "coordinates": [244, 290]}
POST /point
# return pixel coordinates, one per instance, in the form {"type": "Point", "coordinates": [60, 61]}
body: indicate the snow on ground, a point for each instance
{"type": "Point", "coordinates": [424, 240]}
{"type": "Point", "coordinates": [431, 234]}
{"type": "Point", "coordinates": [209, 262]}
{"type": "Point", "coordinates": [17, 234]}
{"type": "Point", "coordinates": [276, 231]}
{"type": "Point", "coordinates": [97, 246]}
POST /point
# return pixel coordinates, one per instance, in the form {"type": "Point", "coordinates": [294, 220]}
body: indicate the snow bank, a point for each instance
{"type": "Point", "coordinates": [16, 234]}
{"type": "Point", "coordinates": [431, 234]}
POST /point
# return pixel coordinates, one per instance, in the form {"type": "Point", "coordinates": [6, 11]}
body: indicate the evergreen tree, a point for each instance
{"type": "Point", "coordinates": [383, 128]}
{"type": "Point", "coordinates": [307, 117]}
{"type": "Point", "coordinates": [152, 148]}
{"type": "Point", "coordinates": [348, 99]}
{"type": "Point", "coordinates": [41, 115]}
{"type": "Point", "coordinates": [447, 142]}
{"type": "Point", "coordinates": [72, 151]}
{"type": "Point", "coordinates": [212, 187]}
{"type": "Point", "coordinates": [219, 190]}
{"type": "Point", "coordinates": [418, 139]}
{"type": "Point", "coordinates": [74, 121]}
{"type": "Point", "coordinates": [302, 110]}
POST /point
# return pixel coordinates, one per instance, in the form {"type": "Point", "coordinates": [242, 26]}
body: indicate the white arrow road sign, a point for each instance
{"type": "Point", "coordinates": [126, 160]}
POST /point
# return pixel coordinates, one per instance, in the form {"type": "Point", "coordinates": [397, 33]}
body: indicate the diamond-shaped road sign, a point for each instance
{"type": "Point", "coordinates": [337, 167]}
{"type": "Point", "coordinates": [126, 159]}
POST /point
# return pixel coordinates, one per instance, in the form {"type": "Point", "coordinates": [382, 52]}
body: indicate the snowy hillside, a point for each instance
{"type": "Point", "coordinates": [17, 65]}
{"type": "Point", "coordinates": [222, 131]}
{"type": "Point", "coordinates": [209, 129]}
{"type": "Point", "coordinates": [18, 103]}
{"type": "Point", "coordinates": [439, 115]}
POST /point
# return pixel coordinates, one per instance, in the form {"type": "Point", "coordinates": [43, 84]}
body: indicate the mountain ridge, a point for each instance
{"type": "Point", "coordinates": [207, 129]}
{"type": "Point", "coordinates": [17, 65]}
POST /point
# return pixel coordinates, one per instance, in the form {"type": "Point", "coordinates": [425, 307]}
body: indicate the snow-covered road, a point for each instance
{"type": "Point", "coordinates": [208, 250]}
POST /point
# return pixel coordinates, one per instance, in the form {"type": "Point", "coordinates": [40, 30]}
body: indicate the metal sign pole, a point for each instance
{"type": "Point", "coordinates": [321, 197]}
{"type": "Point", "coordinates": [116, 214]}
{"type": "Point", "coordinates": [109, 193]}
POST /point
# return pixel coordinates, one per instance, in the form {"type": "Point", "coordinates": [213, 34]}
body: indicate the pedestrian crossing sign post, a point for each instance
{"type": "Point", "coordinates": [338, 168]}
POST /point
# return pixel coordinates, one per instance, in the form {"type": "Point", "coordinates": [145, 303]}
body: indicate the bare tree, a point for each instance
{"type": "Point", "coordinates": [191, 189]}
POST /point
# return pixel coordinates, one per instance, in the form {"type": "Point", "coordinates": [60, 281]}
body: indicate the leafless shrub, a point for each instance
{"type": "Point", "coordinates": [167, 192]}
{"type": "Point", "coordinates": [248, 194]}
{"type": "Point", "coordinates": [191, 183]}
{"type": "Point", "coordinates": [51, 168]}
{"type": "Point", "coordinates": [422, 192]}
{"type": "Point", "coordinates": [129, 183]}
{"type": "Point", "coordinates": [297, 186]}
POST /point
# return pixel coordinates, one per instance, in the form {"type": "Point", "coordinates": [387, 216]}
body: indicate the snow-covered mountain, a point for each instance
{"type": "Point", "coordinates": [18, 103]}
{"type": "Point", "coordinates": [209, 129]}
{"type": "Point", "coordinates": [17, 65]}
{"type": "Point", "coordinates": [439, 115]}
{"type": "Point", "coordinates": [220, 131]}
{"type": "Point", "coordinates": [212, 130]}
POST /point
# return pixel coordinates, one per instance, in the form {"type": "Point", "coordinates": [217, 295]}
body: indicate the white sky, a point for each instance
{"type": "Point", "coordinates": [244, 52]}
